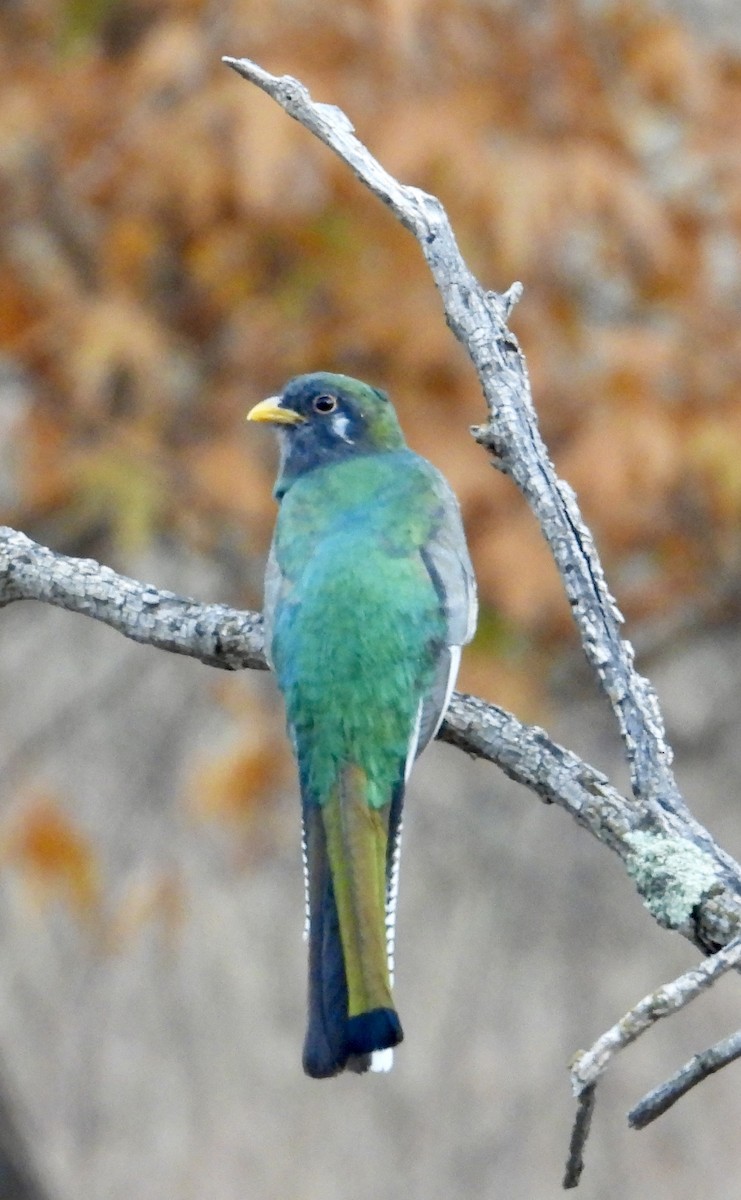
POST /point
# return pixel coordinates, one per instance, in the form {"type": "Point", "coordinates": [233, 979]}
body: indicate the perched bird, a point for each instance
{"type": "Point", "coordinates": [369, 596]}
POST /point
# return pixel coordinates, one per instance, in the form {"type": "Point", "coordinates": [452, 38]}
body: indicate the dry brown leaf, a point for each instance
{"type": "Point", "coordinates": [226, 478]}
{"type": "Point", "coordinates": [113, 334]}
{"type": "Point", "coordinates": [515, 570]}
{"type": "Point", "coordinates": [171, 56]}
{"type": "Point", "coordinates": [234, 786]}
{"type": "Point", "coordinates": [626, 463]}
{"type": "Point", "coordinates": [666, 64]}
{"type": "Point", "coordinates": [273, 168]}
{"type": "Point", "coordinates": [56, 859]}
{"type": "Point", "coordinates": [174, 248]}
{"type": "Point", "coordinates": [713, 455]}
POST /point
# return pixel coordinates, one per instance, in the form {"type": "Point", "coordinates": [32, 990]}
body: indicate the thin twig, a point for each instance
{"type": "Point", "coordinates": [588, 1065]}
{"type": "Point", "coordinates": [579, 1134]}
{"type": "Point", "coordinates": [478, 319]}
{"type": "Point", "coordinates": [700, 1067]}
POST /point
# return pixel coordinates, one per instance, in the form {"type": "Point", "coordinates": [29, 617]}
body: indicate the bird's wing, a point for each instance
{"type": "Point", "coordinates": [445, 555]}
{"type": "Point", "coordinates": [446, 558]}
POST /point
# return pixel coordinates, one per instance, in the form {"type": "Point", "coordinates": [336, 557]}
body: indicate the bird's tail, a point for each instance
{"type": "Point", "coordinates": [351, 1010]}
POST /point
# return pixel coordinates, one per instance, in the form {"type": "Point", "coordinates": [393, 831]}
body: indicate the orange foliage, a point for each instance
{"type": "Point", "coordinates": [234, 785]}
{"type": "Point", "coordinates": [56, 859]}
{"type": "Point", "coordinates": [173, 247]}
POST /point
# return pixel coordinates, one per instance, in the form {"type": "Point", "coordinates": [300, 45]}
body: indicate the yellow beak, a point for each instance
{"type": "Point", "coordinates": [270, 411]}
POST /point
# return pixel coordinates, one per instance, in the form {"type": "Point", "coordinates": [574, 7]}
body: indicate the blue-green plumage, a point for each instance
{"type": "Point", "coordinates": [369, 596]}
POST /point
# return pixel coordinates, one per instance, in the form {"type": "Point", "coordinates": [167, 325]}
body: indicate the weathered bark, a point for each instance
{"type": "Point", "coordinates": [686, 880]}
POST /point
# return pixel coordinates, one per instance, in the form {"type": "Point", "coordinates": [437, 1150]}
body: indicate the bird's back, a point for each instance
{"type": "Point", "coordinates": [359, 625]}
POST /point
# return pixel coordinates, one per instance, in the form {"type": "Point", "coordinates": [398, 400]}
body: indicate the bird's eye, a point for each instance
{"type": "Point", "coordinates": [325, 403]}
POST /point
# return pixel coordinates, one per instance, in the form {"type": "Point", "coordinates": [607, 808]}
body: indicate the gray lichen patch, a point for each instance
{"type": "Point", "coordinates": [671, 874]}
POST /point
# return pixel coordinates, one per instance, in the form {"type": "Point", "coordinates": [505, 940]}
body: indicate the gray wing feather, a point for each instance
{"type": "Point", "coordinates": [446, 557]}
{"type": "Point", "coordinates": [438, 697]}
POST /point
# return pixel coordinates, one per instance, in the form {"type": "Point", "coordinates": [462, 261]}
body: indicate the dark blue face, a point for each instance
{"type": "Point", "coordinates": [332, 413]}
{"type": "Point", "coordinates": [342, 417]}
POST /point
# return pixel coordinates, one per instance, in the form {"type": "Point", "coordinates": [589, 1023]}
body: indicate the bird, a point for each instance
{"type": "Point", "coordinates": [369, 597]}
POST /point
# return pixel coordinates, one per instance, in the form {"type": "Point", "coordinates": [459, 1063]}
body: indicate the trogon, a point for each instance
{"type": "Point", "coordinates": [369, 596]}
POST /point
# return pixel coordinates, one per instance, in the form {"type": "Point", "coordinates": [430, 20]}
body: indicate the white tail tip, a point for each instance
{"type": "Point", "coordinates": [382, 1060]}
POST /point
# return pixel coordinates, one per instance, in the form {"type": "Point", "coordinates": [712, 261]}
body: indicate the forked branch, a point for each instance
{"type": "Point", "coordinates": [589, 1065]}
{"type": "Point", "coordinates": [478, 318]}
{"type": "Point", "coordinates": [687, 882]}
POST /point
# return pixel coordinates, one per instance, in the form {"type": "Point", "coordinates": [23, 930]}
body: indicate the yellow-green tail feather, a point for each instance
{"type": "Point", "coordinates": [351, 1009]}
{"type": "Point", "coordinates": [357, 837]}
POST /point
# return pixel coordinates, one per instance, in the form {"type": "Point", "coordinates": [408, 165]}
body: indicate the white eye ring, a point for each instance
{"type": "Point", "coordinates": [324, 404]}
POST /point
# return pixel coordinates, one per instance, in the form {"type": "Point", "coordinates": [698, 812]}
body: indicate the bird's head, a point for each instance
{"type": "Point", "coordinates": [323, 419]}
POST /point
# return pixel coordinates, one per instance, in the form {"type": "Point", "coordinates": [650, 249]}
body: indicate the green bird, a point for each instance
{"type": "Point", "coordinates": [369, 596]}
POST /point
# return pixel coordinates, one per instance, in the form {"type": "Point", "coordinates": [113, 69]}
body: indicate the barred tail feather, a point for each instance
{"type": "Point", "coordinates": [325, 1052]}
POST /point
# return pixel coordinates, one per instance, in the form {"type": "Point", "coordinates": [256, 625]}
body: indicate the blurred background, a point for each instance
{"type": "Point", "coordinates": [172, 249]}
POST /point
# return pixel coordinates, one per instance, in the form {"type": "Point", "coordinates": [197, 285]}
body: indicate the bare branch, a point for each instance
{"type": "Point", "coordinates": [579, 1135]}
{"type": "Point", "coordinates": [215, 634]}
{"type": "Point", "coordinates": [589, 1065]}
{"type": "Point", "coordinates": [700, 1067]}
{"type": "Point", "coordinates": [670, 998]}
{"type": "Point", "coordinates": [702, 883]}
{"type": "Point", "coordinates": [676, 866]}
{"type": "Point", "coordinates": [478, 319]}
{"type": "Point", "coordinates": [687, 882]}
